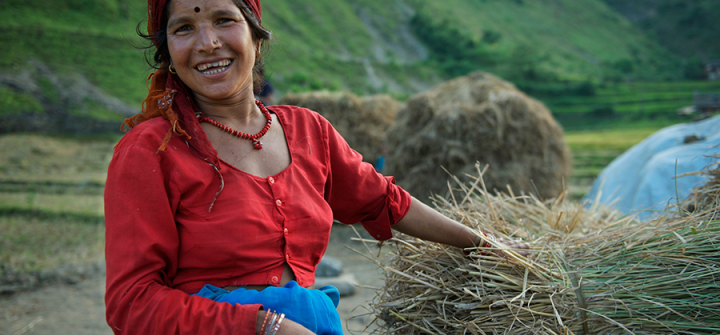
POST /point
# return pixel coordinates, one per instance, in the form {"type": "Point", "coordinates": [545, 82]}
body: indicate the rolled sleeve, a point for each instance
{"type": "Point", "coordinates": [357, 193]}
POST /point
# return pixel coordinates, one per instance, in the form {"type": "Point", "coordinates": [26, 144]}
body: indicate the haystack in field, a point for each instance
{"type": "Point", "coordinates": [477, 118]}
{"type": "Point", "coordinates": [707, 196]}
{"type": "Point", "coordinates": [590, 272]}
{"type": "Point", "coordinates": [362, 121]}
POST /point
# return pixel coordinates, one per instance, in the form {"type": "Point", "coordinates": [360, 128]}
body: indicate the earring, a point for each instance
{"type": "Point", "coordinates": [171, 69]}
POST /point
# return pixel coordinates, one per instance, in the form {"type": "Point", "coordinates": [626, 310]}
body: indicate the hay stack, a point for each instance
{"type": "Point", "coordinates": [708, 196]}
{"type": "Point", "coordinates": [362, 121]}
{"type": "Point", "coordinates": [591, 272]}
{"type": "Point", "coordinates": [477, 118]}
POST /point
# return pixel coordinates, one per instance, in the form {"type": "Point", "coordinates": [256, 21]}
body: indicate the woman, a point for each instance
{"type": "Point", "coordinates": [212, 198]}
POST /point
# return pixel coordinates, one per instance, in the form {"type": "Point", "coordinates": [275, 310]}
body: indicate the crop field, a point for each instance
{"type": "Point", "coordinates": [594, 150]}
{"type": "Point", "coordinates": [636, 98]}
{"type": "Point", "coordinates": [51, 204]}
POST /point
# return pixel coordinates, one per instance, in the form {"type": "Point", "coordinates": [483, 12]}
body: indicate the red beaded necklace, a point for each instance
{"type": "Point", "coordinates": [256, 143]}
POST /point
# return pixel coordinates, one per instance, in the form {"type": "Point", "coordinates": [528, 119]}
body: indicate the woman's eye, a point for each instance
{"type": "Point", "coordinates": [221, 21]}
{"type": "Point", "coordinates": [182, 29]}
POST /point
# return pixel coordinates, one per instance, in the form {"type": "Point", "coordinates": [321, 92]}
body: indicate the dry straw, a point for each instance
{"type": "Point", "coordinates": [707, 196]}
{"type": "Point", "coordinates": [362, 121]}
{"type": "Point", "coordinates": [478, 117]}
{"type": "Point", "coordinates": [591, 271]}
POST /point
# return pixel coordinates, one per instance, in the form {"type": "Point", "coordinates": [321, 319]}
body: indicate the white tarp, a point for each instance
{"type": "Point", "coordinates": [643, 178]}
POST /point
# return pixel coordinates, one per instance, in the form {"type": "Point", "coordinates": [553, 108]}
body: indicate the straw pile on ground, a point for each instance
{"type": "Point", "coordinates": [590, 272]}
{"type": "Point", "coordinates": [708, 196]}
{"type": "Point", "coordinates": [362, 121]}
{"type": "Point", "coordinates": [477, 118]}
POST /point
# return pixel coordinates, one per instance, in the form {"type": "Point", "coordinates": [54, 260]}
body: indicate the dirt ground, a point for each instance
{"type": "Point", "coordinates": [79, 309]}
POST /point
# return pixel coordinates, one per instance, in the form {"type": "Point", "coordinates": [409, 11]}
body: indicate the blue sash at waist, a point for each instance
{"type": "Point", "coordinates": [314, 309]}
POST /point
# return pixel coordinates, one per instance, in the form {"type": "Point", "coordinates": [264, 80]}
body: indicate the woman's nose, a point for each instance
{"type": "Point", "coordinates": [208, 40]}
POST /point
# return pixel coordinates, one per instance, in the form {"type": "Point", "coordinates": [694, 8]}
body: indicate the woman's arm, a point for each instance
{"type": "Point", "coordinates": [425, 223]}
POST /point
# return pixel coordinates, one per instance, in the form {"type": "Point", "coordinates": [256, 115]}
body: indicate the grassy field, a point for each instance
{"type": "Point", "coordinates": [633, 105]}
{"type": "Point", "coordinates": [594, 150]}
{"type": "Point", "coordinates": [638, 98]}
{"type": "Point", "coordinates": [51, 202]}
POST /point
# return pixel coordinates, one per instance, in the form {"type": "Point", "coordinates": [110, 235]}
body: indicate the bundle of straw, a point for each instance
{"type": "Point", "coordinates": [707, 196]}
{"type": "Point", "coordinates": [590, 272]}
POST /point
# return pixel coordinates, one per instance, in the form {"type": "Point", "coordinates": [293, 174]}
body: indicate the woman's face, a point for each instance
{"type": "Point", "coordinates": [212, 49]}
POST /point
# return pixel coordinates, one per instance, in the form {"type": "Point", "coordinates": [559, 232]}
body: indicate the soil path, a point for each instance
{"type": "Point", "coordinates": [79, 309]}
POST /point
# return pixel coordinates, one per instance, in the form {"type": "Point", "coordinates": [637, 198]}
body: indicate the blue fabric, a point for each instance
{"type": "Point", "coordinates": [643, 179]}
{"type": "Point", "coordinates": [314, 309]}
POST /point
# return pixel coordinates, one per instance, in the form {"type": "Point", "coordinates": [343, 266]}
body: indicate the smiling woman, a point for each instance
{"type": "Point", "coordinates": [213, 51]}
{"type": "Point", "coordinates": [209, 230]}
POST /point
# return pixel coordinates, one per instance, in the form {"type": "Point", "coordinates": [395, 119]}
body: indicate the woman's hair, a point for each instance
{"type": "Point", "coordinates": [161, 58]}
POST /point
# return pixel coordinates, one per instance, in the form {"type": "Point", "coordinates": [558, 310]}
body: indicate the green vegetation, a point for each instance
{"type": "Point", "coordinates": [31, 245]}
{"type": "Point", "coordinates": [690, 29]}
{"type": "Point", "coordinates": [607, 140]}
{"type": "Point", "coordinates": [51, 202]}
{"type": "Point", "coordinates": [94, 110]}
{"type": "Point", "coordinates": [91, 38]}
{"type": "Point", "coordinates": [550, 41]}
{"type": "Point", "coordinates": [628, 105]}
{"type": "Point", "coordinates": [12, 102]}
{"type": "Point", "coordinates": [594, 150]}
{"type": "Point", "coordinates": [336, 44]}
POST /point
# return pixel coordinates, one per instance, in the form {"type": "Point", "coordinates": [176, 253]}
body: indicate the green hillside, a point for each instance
{"type": "Point", "coordinates": [691, 29]}
{"type": "Point", "coordinates": [365, 46]}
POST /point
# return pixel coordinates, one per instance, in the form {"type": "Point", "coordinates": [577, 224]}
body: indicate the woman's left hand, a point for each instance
{"type": "Point", "coordinates": [517, 246]}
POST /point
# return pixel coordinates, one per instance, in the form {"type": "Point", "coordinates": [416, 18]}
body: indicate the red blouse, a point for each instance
{"type": "Point", "coordinates": [163, 241]}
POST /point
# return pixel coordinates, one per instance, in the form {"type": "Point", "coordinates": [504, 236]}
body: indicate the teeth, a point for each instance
{"type": "Point", "coordinates": [218, 70]}
{"type": "Point", "coordinates": [223, 64]}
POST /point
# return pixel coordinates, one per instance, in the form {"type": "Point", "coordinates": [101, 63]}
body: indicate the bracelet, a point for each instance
{"type": "Point", "coordinates": [270, 325]}
{"type": "Point", "coordinates": [491, 238]}
{"type": "Point", "coordinates": [267, 313]}
{"type": "Point", "coordinates": [277, 325]}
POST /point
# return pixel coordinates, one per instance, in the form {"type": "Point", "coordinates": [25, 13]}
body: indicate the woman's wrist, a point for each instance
{"type": "Point", "coordinates": [270, 324]}
{"type": "Point", "coordinates": [281, 326]}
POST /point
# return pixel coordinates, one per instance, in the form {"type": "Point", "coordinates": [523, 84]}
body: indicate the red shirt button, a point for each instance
{"type": "Point", "coordinates": [286, 232]}
{"type": "Point", "coordinates": [274, 280]}
{"type": "Point", "coordinates": [278, 202]}
{"type": "Point", "coordinates": [271, 180]}
{"type": "Point", "coordinates": [288, 256]}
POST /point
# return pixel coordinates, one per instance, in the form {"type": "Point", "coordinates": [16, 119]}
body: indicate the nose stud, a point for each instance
{"type": "Point", "coordinates": [215, 42]}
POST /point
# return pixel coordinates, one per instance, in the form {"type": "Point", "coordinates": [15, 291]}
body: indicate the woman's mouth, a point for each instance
{"type": "Point", "coordinates": [215, 67]}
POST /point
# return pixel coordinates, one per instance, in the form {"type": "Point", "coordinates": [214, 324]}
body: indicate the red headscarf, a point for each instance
{"type": "Point", "coordinates": [169, 97]}
{"type": "Point", "coordinates": [156, 10]}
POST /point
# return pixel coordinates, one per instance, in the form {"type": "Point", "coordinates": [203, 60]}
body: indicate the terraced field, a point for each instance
{"type": "Point", "coordinates": [51, 207]}
{"type": "Point", "coordinates": [629, 105]}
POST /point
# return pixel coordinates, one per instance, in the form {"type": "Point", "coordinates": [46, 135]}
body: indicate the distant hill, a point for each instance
{"type": "Point", "coordinates": [690, 29]}
{"type": "Point", "coordinates": [365, 46]}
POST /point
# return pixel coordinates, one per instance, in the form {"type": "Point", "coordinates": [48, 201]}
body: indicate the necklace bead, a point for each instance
{"type": "Point", "coordinates": [254, 137]}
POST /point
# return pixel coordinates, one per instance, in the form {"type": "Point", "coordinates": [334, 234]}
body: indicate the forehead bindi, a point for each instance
{"type": "Point", "coordinates": [197, 9]}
